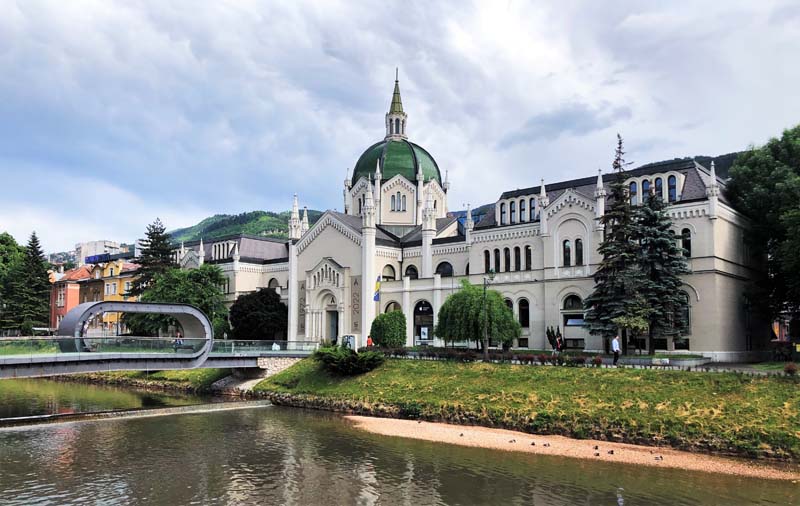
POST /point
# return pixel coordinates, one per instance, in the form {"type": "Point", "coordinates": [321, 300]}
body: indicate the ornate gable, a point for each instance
{"type": "Point", "coordinates": [328, 220]}
{"type": "Point", "coordinates": [327, 273]}
{"type": "Point", "coordinates": [398, 181]}
{"type": "Point", "coordinates": [569, 199]}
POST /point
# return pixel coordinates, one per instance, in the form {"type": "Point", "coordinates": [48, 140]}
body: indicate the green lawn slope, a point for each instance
{"type": "Point", "coordinates": [722, 413]}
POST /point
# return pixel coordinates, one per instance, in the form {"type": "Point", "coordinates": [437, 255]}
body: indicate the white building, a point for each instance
{"type": "Point", "coordinates": [94, 248]}
{"type": "Point", "coordinates": [541, 241]}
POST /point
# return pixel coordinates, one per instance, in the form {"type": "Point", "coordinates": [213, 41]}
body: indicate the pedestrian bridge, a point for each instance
{"type": "Point", "coordinates": [72, 350]}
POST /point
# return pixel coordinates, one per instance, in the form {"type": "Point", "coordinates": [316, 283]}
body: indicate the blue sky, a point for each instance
{"type": "Point", "coordinates": [114, 113]}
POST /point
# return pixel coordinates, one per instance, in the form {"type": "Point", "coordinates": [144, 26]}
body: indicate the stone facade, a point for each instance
{"type": "Point", "coordinates": [542, 242]}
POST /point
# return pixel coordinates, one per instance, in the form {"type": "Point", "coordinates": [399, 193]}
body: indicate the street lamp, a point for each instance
{"type": "Point", "coordinates": [486, 280]}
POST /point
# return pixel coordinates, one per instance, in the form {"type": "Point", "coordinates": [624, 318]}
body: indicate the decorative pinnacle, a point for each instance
{"type": "Point", "coordinates": [542, 190]}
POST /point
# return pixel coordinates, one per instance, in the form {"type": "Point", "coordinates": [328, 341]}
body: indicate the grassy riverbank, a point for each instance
{"type": "Point", "coordinates": [714, 412]}
{"type": "Point", "coordinates": [189, 380]}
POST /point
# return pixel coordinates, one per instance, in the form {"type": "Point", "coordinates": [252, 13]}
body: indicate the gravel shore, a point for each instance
{"type": "Point", "coordinates": [507, 440]}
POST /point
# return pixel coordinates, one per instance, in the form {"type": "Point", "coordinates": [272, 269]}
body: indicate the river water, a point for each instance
{"type": "Point", "coordinates": [276, 455]}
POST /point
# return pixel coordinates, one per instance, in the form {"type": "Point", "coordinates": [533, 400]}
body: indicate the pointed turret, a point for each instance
{"type": "Point", "coordinates": [544, 201]}
{"type": "Point", "coordinates": [712, 192]}
{"type": "Point", "coordinates": [469, 225]}
{"type": "Point", "coordinates": [396, 118]}
{"type": "Point", "coordinates": [201, 253]}
{"type": "Point", "coordinates": [294, 220]}
{"type": "Point", "coordinates": [304, 222]}
{"type": "Point", "coordinates": [368, 210]}
{"type": "Point", "coordinates": [446, 185]}
{"type": "Point", "coordinates": [599, 197]}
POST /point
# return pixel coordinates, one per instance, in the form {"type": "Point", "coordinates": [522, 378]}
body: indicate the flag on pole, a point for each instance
{"type": "Point", "coordinates": [377, 296]}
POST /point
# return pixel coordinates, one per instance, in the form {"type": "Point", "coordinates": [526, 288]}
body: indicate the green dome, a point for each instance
{"type": "Point", "coordinates": [397, 156]}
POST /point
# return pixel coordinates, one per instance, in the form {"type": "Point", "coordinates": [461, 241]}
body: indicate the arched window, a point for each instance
{"type": "Point", "coordinates": [522, 215]}
{"type": "Point", "coordinates": [684, 316]}
{"type": "Point", "coordinates": [411, 272]}
{"type": "Point", "coordinates": [512, 208]}
{"type": "Point", "coordinates": [645, 190]}
{"type": "Point", "coordinates": [578, 251]}
{"type": "Point", "coordinates": [532, 209]}
{"type": "Point", "coordinates": [496, 260]}
{"type": "Point", "coordinates": [573, 303]}
{"type": "Point", "coordinates": [466, 270]}
{"type": "Point", "coordinates": [359, 205]}
{"type": "Point", "coordinates": [686, 242]}
{"type": "Point", "coordinates": [392, 306]}
{"type": "Point", "coordinates": [503, 214]}
{"type": "Point", "coordinates": [444, 270]}
{"type": "Point", "coordinates": [672, 189]}
{"type": "Point", "coordinates": [393, 204]}
{"type": "Point", "coordinates": [487, 261]}
{"type": "Point", "coordinates": [567, 253]}
{"type": "Point", "coordinates": [403, 208]}
{"type": "Point", "coordinates": [524, 313]}
{"type": "Point", "coordinates": [434, 204]}
{"type": "Point", "coordinates": [528, 255]}
{"type": "Point", "coordinates": [659, 188]}
{"type": "Point", "coordinates": [273, 283]}
{"type": "Point", "coordinates": [517, 259]}
{"type": "Point", "coordinates": [404, 127]}
{"type": "Point", "coordinates": [633, 191]}
{"type": "Point", "coordinates": [510, 305]}
{"type": "Point", "coordinates": [507, 259]}
{"type": "Point", "coordinates": [388, 273]}
{"type": "Point", "coordinates": [397, 126]}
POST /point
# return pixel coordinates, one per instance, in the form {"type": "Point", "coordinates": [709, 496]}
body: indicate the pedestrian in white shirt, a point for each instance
{"type": "Point", "coordinates": [615, 349]}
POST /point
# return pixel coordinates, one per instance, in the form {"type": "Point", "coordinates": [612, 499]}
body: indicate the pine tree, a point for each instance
{"type": "Point", "coordinates": [27, 293]}
{"type": "Point", "coordinates": [618, 278]}
{"type": "Point", "coordinates": [155, 259]}
{"type": "Point", "coordinates": [662, 263]}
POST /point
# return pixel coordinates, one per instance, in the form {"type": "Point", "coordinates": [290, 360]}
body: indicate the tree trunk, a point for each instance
{"type": "Point", "coordinates": [651, 340]}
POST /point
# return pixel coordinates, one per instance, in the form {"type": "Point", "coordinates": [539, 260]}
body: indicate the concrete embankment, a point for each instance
{"type": "Point", "coordinates": [133, 413]}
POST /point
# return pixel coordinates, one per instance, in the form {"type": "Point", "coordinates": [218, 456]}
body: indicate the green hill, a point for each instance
{"type": "Point", "coordinates": [264, 223]}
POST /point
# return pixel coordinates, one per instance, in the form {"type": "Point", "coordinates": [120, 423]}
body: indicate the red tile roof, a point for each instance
{"type": "Point", "coordinates": [82, 272]}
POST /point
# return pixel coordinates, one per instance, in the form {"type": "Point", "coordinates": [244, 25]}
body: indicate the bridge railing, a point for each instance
{"type": "Point", "coordinates": [37, 346]}
{"type": "Point", "coordinates": [238, 346]}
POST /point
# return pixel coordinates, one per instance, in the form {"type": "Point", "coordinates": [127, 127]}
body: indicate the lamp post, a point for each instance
{"type": "Point", "coordinates": [486, 280]}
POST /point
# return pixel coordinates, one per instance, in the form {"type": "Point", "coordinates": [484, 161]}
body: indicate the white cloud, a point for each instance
{"type": "Point", "coordinates": [185, 110]}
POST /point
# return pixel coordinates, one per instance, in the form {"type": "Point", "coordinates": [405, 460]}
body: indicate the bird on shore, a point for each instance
{"type": "Point", "coordinates": [596, 454]}
{"type": "Point", "coordinates": [533, 443]}
{"type": "Point", "coordinates": [461, 435]}
{"type": "Point", "coordinates": [546, 444]}
{"type": "Point", "coordinates": [596, 447]}
{"type": "Point", "coordinates": [512, 440]}
{"type": "Point", "coordinates": [611, 452]}
{"type": "Point", "coordinates": [659, 457]}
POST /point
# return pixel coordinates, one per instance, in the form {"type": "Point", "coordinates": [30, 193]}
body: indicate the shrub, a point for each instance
{"type": "Point", "coordinates": [790, 369]}
{"type": "Point", "coordinates": [579, 361]}
{"type": "Point", "coordinates": [389, 330]}
{"type": "Point", "coordinates": [542, 358]}
{"type": "Point", "coordinates": [346, 362]}
{"type": "Point", "coordinates": [469, 356]}
{"type": "Point", "coordinates": [597, 361]}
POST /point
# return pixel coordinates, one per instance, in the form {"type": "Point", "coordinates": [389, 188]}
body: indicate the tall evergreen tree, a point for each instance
{"type": "Point", "coordinates": [27, 293]}
{"type": "Point", "coordinates": [10, 254]}
{"type": "Point", "coordinates": [618, 278]}
{"type": "Point", "coordinates": [662, 263]}
{"type": "Point", "coordinates": [156, 257]}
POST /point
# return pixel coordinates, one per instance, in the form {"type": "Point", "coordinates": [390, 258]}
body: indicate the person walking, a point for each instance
{"type": "Point", "coordinates": [369, 342]}
{"type": "Point", "coordinates": [615, 349]}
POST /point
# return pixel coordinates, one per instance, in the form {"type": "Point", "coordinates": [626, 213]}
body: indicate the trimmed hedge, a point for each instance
{"type": "Point", "coordinates": [346, 362]}
{"type": "Point", "coordinates": [389, 330]}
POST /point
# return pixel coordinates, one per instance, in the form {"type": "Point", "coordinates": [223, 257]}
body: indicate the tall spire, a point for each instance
{"type": "Point", "coordinates": [396, 117]}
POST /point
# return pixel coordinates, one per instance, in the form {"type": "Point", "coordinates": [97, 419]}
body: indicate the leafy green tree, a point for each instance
{"type": "Point", "coordinates": [765, 186]}
{"type": "Point", "coordinates": [259, 315]}
{"type": "Point", "coordinates": [10, 254]}
{"type": "Point", "coordinates": [462, 317]}
{"type": "Point", "coordinates": [156, 257]}
{"type": "Point", "coordinates": [618, 278]}
{"type": "Point", "coordinates": [389, 330]}
{"type": "Point", "coordinates": [27, 289]}
{"type": "Point", "coordinates": [662, 263]}
{"type": "Point", "coordinates": [199, 287]}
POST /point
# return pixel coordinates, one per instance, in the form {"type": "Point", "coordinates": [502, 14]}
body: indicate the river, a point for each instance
{"type": "Point", "coordinates": [275, 455]}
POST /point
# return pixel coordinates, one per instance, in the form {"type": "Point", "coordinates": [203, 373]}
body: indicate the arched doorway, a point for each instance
{"type": "Point", "coordinates": [331, 319]}
{"type": "Point", "coordinates": [392, 306]}
{"type": "Point", "coordinates": [423, 322]}
{"type": "Point", "coordinates": [411, 272]}
{"type": "Point", "coordinates": [273, 283]}
{"type": "Point", "coordinates": [572, 319]}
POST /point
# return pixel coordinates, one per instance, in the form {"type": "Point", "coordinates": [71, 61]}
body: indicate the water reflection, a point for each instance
{"type": "Point", "coordinates": [284, 456]}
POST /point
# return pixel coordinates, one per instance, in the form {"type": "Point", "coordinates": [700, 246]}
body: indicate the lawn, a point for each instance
{"type": "Point", "coordinates": [193, 379]}
{"type": "Point", "coordinates": [719, 412]}
{"type": "Point", "coordinates": [19, 348]}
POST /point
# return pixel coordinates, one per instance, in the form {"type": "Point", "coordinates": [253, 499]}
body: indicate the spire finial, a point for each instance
{"type": "Point", "coordinates": [396, 74]}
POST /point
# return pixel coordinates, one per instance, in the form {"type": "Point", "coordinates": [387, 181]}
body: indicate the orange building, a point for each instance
{"type": "Point", "coordinates": [65, 293]}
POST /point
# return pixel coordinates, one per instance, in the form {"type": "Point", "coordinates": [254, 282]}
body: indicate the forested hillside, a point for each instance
{"type": "Point", "coordinates": [264, 223]}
